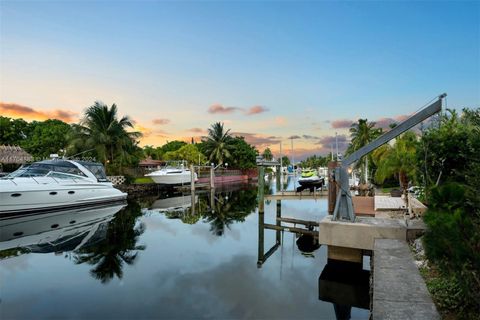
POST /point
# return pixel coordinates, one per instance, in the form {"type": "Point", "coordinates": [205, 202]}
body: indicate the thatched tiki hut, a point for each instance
{"type": "Point", "coordinates": [13, 155]}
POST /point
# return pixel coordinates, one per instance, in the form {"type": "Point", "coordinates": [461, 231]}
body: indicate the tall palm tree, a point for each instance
{"type": "Point", "coordinates": [399, 160]}
{"type": "Point", "coordinates": [361, 134]}
{"type": "Point", "coordinates": [101, 129]}
{"type": "Point", "coordinates": [218, 145]}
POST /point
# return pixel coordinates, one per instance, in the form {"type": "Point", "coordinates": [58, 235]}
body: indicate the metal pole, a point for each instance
{"type": "Point", "coordinates": [212, 177]}
{"type": "Point", "coordinates": [192, 178]}
{"type": "Point", "coordinates": [261, 187]}
{"type": "Point", "coordinates": [336, 143]}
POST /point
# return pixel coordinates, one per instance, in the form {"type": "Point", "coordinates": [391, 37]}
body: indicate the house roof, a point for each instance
{"type": "Point", "coordinates": [14, 154]}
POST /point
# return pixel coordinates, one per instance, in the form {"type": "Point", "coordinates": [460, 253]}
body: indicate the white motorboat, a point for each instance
{"type": "Point", "coordinates": [172, 175]}
{"type": "Point", "coordinates": [55, 185]}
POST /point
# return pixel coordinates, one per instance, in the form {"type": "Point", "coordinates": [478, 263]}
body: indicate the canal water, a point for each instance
{"type": "Point", "coordinates": [170, 256]}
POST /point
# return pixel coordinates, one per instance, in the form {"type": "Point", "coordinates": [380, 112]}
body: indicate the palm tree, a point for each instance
{"type": "Point", "coordinates": [361, 134]}
{"type": "Point", "coordinates": [267, 154]}
{"type": "Point", "coordinates": [399, 160]}
{"type": "Point", "coordinates": [218, 143]}
{"type": "Point", "coordinates": [100, 129]}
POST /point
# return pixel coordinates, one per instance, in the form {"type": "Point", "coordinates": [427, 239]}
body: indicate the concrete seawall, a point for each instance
{"type": "Point", "coordinates": [399, 291]}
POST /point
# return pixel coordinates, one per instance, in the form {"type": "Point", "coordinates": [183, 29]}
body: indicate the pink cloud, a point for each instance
{"type": "Point", "coordinates": [19, 111]}
{"type": "Point", "coordinates": [256, 110]}
{"type": "Point", "coordinates": [160, 121]}
{"type": "Point", "coordinates": [218, 108]}
{"type": "Point", "coordinates": [197, 130]}
{"type": "Point", "coordinates": [340, 124]}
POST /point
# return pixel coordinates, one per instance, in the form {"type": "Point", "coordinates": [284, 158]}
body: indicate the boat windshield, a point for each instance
{"type": "Point", "coordinates": [55, 169]}
{"type": "Point", "coordinates": [97, 170]}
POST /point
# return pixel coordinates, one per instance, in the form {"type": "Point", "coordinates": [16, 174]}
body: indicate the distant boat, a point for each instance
{"type": "Point", "coordinates": [174, 203]}
{"type": "Point", "coordinates": [55, 185]}
{"type": "Point", "coordinates": [309, 179]}
{"type": "Point", "coordinates": [172, 175]}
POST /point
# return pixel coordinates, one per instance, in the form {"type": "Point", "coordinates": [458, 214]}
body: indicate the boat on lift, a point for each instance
{"type": "Point", "coordinates": [172, 174]}
{"type": "Point", "coordinates": [56, 184]}
{"type": "Point", "coordinates": [309, 178]}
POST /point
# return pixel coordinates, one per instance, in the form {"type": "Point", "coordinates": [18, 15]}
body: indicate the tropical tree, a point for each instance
{"type": "Point", "coordinates": [267, 154]}
{"type": "Point", "coordinates": [218, 144]}
{"type": "Point", "coordinates": [173, 146]}
{"type": "Point", "coordinates": [47, 137]}
{"type": "Point", "coordinates": [243, 154]}
{"type": "Point", "coordinates": [101, 130]}
{"type": "Point", "coordinates": [398, 160]}
{"type": "Point", "coordinates": [188, 152]}
{"type": "Point", "coordinates": [362, 133]}
{"type": "Point", "coordinates": [13, 131]}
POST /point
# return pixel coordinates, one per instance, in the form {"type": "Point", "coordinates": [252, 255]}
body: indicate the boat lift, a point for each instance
{"type": "Point", "coordinates": [343, 204]}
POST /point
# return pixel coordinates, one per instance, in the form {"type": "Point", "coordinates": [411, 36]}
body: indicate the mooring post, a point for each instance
{"type": "Point", "coordinates": [212, 177]}
{"type": "Point", "coordinates": [278, 178]}
{"type": "Point", "coordinates": [279, 222]}
{"type": "Point", "coordinates": [332, 187]}
{"type": "Point", "coordinates": [261, 239]}
{"type": "Point", "coordinates": [192, 178]}
{"type": "Point", "coordinates": [261, 187]}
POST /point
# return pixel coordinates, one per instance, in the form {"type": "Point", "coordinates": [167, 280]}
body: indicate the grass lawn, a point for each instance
{"type": "Point", "coordinates": [143, 180]}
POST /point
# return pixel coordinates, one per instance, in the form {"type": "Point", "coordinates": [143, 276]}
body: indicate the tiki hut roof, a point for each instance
{"type": "Point", "coordinates": [13, 154]}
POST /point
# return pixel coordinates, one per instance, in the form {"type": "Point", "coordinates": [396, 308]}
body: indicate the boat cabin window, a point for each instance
{"type": "Point", "coordinates": [97, 170]}
{"type": "Point", "coordinates": [57, 169]}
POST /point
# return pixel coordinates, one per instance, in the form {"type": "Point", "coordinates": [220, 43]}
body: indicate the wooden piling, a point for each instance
{"type": "Point", "coordinates": [332, 186]}
{"type": "Point", "coordinates": [261, 187]}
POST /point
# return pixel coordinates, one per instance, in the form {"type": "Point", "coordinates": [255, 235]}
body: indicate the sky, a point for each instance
{"type": "Point", "coordinates": [268, 70]}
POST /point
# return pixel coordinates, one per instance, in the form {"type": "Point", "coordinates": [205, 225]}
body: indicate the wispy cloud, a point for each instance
{"type": "Point", "coordinates": [197, 130]}
{"type": "Point", "coordinates": [160, 121]}
{"type": "Point", "coordinates": [221, 109]}
{"type": "Point", "coordinates": [340, 124]}
{"type": "Point", "coordinates": [256, 110]}
{"type": "Point", "coordinates": [379, 123]}
{"type": "Point", "coordinates": [19, 111]}
{"type": "Point", "coordinates": [218, 108]}
{"type": "Point", "coordinates": [294, 137]}
{"type": "Point", "coordinates": [325, 143]}
{"type": "Point", "coordinates": [281, 121]}
{"type": "Point", "coordinates": [258, 140]}
{"type": "Point", "coordinates": [309, 137]}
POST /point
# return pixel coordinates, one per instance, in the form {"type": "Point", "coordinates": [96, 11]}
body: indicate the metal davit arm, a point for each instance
{"type": "Point", "coordinates": [429, 111]}
{"type": "Point", "coordinates": [343, 206]}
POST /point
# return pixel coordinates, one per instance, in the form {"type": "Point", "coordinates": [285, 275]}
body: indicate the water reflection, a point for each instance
{"type": "Point", "coordinates": [59, 231]}
{"type": "Point", "coordinates": [176, 256]}
{"type": "Point", "coordinates": [345, 285]}
{"type": "Point", "coordinates": [118, 247]}
{"type": "Point", "coordinates": [220, 208]}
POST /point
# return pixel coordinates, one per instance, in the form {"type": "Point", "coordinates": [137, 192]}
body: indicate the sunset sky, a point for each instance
{"type": "Point", "coordinates": [268, 70]}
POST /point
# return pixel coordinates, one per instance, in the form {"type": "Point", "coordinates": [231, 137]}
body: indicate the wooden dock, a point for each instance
{"type": "Point", "coordinates": [293, 195]}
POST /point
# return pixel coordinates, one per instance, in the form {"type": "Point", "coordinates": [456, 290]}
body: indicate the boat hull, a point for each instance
{"type": "Point", "coordinates": [172, 179]}
{"type": "Point", "coordinates": [18, 197]}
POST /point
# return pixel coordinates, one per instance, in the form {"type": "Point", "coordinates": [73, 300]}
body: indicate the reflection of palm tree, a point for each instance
{"type": "Point", "coordinates": [218, 143]}
{"type": "Point", "coordinates": [230, 207]}
{"type": "Point", "coordinates": [118, 247]}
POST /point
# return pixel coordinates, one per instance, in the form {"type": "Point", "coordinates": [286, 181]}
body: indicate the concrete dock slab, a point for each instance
{"type": "Point", "coordinates": [383, 203]}
{"type": "Point", "coordinates": [360, 234]}
{"type": "Point", "coordinates": [399, 291]}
